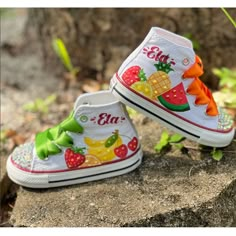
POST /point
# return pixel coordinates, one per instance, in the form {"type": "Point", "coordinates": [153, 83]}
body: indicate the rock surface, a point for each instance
{"type": "Point", "coordinates": [171, 189]}
{"type": "Point", "coordinates": [5, 182]}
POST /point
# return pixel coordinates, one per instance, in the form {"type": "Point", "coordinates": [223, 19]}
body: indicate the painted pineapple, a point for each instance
{"type": "Point", "coordinates": [160, 81]}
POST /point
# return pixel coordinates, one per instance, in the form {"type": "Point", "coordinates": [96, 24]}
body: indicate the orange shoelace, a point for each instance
{"type": "Point", "coordinates": [199, 89]}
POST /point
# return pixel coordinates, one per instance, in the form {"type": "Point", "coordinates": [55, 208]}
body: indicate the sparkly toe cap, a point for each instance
{"type": "Point", "coordinates": [225, 121]}
{"type": "Point", "coordinates": [22, 156]}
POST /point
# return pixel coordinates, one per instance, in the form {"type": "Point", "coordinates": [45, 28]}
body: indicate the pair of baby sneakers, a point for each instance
{"type": "Point", "coordinates": [160, 79]}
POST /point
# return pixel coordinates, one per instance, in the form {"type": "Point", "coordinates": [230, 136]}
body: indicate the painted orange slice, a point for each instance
{"type": "Point", "coordinates": [91, 160]}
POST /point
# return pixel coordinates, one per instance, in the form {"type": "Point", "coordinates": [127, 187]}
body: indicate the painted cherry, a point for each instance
{"type": "Point", "coordinates": [121, 151]}
{"type": "Point", "coordinates": [133, 144]}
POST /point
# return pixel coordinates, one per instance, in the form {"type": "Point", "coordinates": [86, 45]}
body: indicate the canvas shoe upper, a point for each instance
{"type": "Point", "coordinates": [160, 78]}
{"type": "Point", "coordinates": [97, 140]}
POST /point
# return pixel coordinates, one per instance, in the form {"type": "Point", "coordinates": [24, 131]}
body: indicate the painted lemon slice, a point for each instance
{"type": "Point", "coordinates": [144, 88]}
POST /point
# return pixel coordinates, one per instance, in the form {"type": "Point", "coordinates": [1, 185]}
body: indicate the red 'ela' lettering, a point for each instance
{"type": "Point", "coordinates": [105, 119]}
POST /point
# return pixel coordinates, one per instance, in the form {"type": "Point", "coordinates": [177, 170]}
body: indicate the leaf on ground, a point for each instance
{"type": "Point", "coordinates": [176, 138]}
{"type": "Point", "coordinates": [50, 99]}
{"type": "Point", "coordinates": [29, 107]}
{"type": "Point", "coordinates": [13, 138]}
{"type": "Point", "coordinates": [68, 77]}
{"type": "Point", "coordinates": [29, 117]}
{"type": "Point", "coordinates": [18, 139]}
{"type": "Point", "coordinates": [61, 51]}
{"type": "Point", "coordinates": [164, 136]}
{"type": "Point", "coordinates": [9, 133]}
{"type": "Point", "coordinates": [105, 86]}
{"type": "Point", "coordinates": [164, 142]}
{"type": "Point", "coordinates": [40, 105]}
{"type": "Point", "coordinates": [179, 146]}
{"type": "Point", "coordinates": [160, 146]}
{"type": "Point", "coordinates": [90, 85]}
{"type": "Point", "coordinates": [75, 71]}
{"type": "Point", "coordinates": [131, 111]}
{"type": "Point", "coordinates": [217, 154]}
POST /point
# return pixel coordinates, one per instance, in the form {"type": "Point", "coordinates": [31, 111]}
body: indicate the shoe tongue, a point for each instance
{"type": "Point", "coordinates": [181, 41]}
{"type": "Point", "coordinates": [100, 98]}
{"type": "Point", "coordinates": [83, 99]}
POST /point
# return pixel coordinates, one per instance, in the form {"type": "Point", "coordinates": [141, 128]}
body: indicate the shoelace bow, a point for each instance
{"type": "Point", "coordinates": [48, 142]}
{"type": "Point", "coordinates": [199, 89]}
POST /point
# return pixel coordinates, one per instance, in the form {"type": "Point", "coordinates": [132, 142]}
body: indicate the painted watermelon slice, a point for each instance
{"type": "Point", "coordinates": [175, 99]}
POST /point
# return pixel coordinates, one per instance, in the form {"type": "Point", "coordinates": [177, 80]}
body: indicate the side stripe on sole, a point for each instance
{"type": "Point", "coordinates": [88, 176]}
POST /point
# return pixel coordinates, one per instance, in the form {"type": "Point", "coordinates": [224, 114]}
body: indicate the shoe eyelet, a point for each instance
{"type": "Point", "coordinates": [83, 118]}
{"type": "Point", "coordinates": [186, 61]}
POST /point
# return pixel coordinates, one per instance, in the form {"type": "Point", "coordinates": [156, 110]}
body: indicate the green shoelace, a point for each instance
{"type": "Point", "coordinates": [47, 142]}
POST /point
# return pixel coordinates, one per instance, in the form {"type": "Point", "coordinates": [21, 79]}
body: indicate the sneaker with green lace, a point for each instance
{"type": "Point", "coordinates": [96, 141]}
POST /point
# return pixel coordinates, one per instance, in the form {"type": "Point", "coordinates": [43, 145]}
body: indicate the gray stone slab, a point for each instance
{"type": "Point", "coordinates": [5, 182]}
{"type": "Point", "coordinates": [171, 189]}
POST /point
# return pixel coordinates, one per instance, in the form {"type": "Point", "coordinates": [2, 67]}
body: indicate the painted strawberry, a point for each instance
{"type": "Point", "coordinates": [121, 151]}
{"type": "Point", "coordinates": [133, 74]}
{"type": "Point", "coordinates": [74, 157]}
{"type": "Point", "coordinates": [133, 144]}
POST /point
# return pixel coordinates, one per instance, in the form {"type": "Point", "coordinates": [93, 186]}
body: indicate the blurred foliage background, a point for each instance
{"type": "Point", "coordinates": [98, 40]}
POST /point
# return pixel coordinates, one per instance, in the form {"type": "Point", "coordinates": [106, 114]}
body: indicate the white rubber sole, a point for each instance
{"type": "Point", "coordinates": [188, 130]}
{"type": "Point", "coordinates": [50, 180]}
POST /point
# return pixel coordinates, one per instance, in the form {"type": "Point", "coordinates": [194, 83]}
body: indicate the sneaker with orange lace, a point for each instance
{"type": "Point", "coordinates": [96, 141]}
{"type": "Point", "coordinates": [160, 78]}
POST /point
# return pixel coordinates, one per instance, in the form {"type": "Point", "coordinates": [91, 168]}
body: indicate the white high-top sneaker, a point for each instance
{"type": "Point", "coordinates": [160, 79]}
{"type": "Point", "coordinates": [97, 140]}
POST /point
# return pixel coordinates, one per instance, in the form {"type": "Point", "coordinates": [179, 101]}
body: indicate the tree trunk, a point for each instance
{"type": "Point", "coordinates": [98, 40]}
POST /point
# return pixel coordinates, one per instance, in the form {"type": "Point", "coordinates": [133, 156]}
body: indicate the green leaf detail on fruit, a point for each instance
{"type": "Point", "coordinates": [112, 139]}
{"type": "Point", "coordinates": [173, 107]}
{"type": "Point", "coordinates": [175, 99]}
{"type": "Point", "coordinates": [165, 67]}
{"type": "Point", "coordinates": [142, 75]}
{"type": "Point", "coordinates": [79, 150]}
